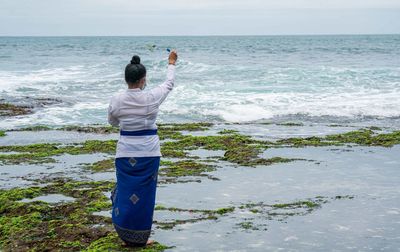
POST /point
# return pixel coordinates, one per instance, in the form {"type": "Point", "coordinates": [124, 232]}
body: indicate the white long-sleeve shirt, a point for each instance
{"type": "Point", "coordinates": [136, 109]}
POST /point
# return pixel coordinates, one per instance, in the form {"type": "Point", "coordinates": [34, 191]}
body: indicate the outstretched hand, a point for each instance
{"type": "Point", "coordinates": [173, 57]}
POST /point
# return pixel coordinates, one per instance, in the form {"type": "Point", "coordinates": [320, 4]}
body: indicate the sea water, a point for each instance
{"type": "Point", "coordinates": [336, 78]}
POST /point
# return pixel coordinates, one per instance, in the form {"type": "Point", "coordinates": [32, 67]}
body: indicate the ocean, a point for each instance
{"type": "Point", "coordinates": [227, 79]}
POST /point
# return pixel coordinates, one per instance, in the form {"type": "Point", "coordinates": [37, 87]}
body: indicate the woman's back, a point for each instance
{"type": "Point", "coordinates": [136, 110]}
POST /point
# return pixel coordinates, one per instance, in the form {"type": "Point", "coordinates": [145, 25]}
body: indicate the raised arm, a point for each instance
{"type": "Point", "coordinates": [161, 92]}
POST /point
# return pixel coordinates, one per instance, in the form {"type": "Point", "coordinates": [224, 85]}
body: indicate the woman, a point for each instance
{"type": "Point", "coordinates": [138, 152]}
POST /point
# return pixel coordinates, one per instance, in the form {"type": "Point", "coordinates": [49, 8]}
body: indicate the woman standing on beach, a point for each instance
{"type": "Point", "coordinates": [138, 152]}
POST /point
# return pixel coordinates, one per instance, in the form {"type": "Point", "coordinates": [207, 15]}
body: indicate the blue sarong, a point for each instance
{"type": "Point", "coordinates": [133, 198]}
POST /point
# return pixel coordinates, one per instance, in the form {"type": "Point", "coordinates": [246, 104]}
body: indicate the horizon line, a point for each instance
{"type": "Point", "coordinates": [212, 35]}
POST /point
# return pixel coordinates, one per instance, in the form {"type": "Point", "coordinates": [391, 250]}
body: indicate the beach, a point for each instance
{"type": "Point", "coordinates": [274, 143]}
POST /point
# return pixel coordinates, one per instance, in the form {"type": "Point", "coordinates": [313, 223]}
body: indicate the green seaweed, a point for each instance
{"type": "Point", "coordinates": [290, 124]}
{"type": "Point", "coordinates": [282, 211]}
{"type": "Point", "coordinates": [8, 109]}
{"type": "Point", "coordinates": [298, 204]}
{"type": "Point", "coordinates": [248, 225]}
{"type": "Point", "coordinates": [35, 128]}
{"type": "Point", "coordinates": [201, 126]}
{"type": "Point", "coordinates": [111, 242]}
{"type": "Point", "coordinates": [365, 137]}
{"type": "Point", "coordinates": [223, 142]}
{"type": "Point", "coordinates": [72, 226]}
{"type": "Point", "coordinates": [239, 149]}
{"type": "Point", "coordinates": [227, 131]}
{"type": "Point", "coordinates": [98, 205]}
{"type": "Point", "coordinates": [165, 131]}
{"type": "Point", "coordinates": [205, 214]}
{"type": "Point", "coordinates": [98, 129]}
{"type": "Point", "coordinates": [8, 198]}
{"type": "Point", "coordinates": [225, 210]}
{"type": "Point", "coordinates": [339, 197]}
{"type": "Point", "coordinates": [173, 130]}
{"type": "Point", "coordinates": [39, 226]}
{"type": "Point", "coordinates": [72, 244]}
{"type": "Point", "coordinates": [336, 125]}
{"type": "Point", "coordinates": [172, 224]}
{"type": "Point", "coordinates": [40, 153]}
{"type": "Point", "coordinates": [248, 156]}
{"type": "Point", "coordinates": [15, 227]}
{"type": "Point", "coordinates": [43, 147]}
{"type": "Point", "coordinates": [169, 134]}
{"type": "Point", "coordinates": [102, 165]}
{"type": "Point", "coordinates": [185, 168]}
{"type": "Point", "coordinates": [302, 142]}
{"type": "Point", "coordinates": [220, 211]}
{"type": "Point", "coordinates": [172, 153]}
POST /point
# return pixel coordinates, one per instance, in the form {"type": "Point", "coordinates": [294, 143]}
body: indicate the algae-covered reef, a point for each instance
{"type": "Point", "coordinates": [76, 226]}
{"type": "Point", "coordinates": [102, 165]}
{"type": "Point", "coordinates": [42, 226]}
{"type": "Point", "coordinates": [184, 168]}
{"type": "Point", "coordinates": [107, 129]}
{"type": "Point", "coordinates": [282, 211]}
{"type": "Point", "coordinates": [238, 148]}
{"type": "Point", "coordinates": [201, 215]}
{"type": "Point", "coordinates": [41, 153]}
{"type": "Point", "coordinates": [366, 137]}
{"type": "Point", "coordinates": [8, 109]}
{"type": "Point", "coordinates": [73, 226]}
{"type": "Point", "coordinates": [25, 105]}
{"type": "Point", "coordinates": [290, 124]}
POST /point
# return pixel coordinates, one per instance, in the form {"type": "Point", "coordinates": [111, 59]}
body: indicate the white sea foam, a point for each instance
{"type": "Point", "coordinates": [241, 113]}
{"type": "Point", "coordinates": [239, 107]}
{"type": "Point", "coordinates": [247, 87]}
{"type": "Point", "coordinates": [51, 78]}
{"type": "Point", "coordinates": [232, 107]}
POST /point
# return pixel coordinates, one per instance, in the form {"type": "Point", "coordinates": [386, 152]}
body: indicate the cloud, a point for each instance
{"type": "Point", "coordinates": [188, 17]}
{"type": "Point", "coordinates": [137, 7]}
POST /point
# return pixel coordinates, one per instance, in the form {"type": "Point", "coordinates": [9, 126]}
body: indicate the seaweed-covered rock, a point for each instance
{"type": "Point", "coordinates": [8, 109]}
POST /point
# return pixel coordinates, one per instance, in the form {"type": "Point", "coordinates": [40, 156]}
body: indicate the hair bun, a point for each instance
{"type": "Point", "coordinates": [135, 60]}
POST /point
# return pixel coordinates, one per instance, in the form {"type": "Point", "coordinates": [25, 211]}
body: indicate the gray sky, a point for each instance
{"type": "Point", "coordinates": [205, 17]}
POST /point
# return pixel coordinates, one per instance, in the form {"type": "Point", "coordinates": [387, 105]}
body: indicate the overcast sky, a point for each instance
{"type": "Point", "coordinates": [202, 17]}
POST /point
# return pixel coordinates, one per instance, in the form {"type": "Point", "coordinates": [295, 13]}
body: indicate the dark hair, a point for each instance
{"type": "Point", "coordinates": [134, 71]}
